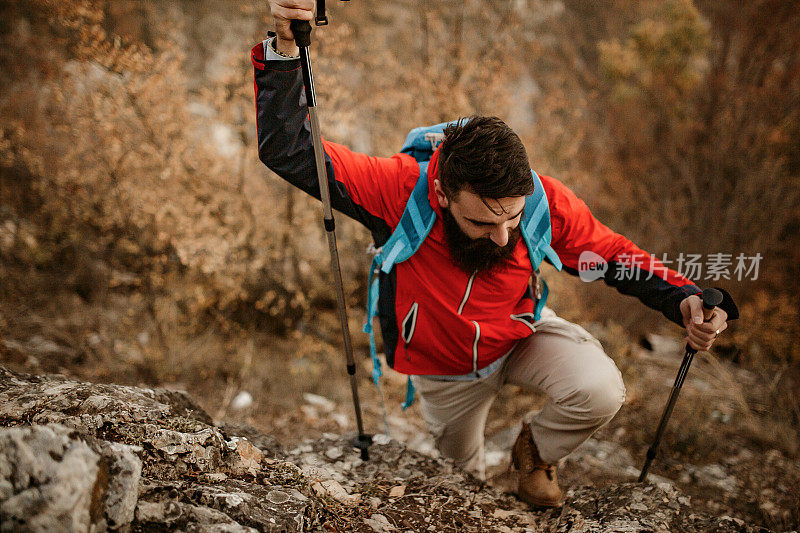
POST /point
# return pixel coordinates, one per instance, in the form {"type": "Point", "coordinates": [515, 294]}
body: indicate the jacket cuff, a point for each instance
{"type": "Point", "coordinates": [270, 51]}
{"type": "Point", "coordinates": [261, 61]}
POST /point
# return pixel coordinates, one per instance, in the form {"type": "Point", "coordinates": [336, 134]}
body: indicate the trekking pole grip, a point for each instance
{"type": "Point", "coordinates": [711, 299]}
{"type": "Point", "coordinates": [302, 32]}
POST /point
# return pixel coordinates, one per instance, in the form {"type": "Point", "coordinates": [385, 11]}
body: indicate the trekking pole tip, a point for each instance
{"type": "Point", "coordinates": [363, 442]}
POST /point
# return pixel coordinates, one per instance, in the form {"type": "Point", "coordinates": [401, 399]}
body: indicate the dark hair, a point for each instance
{"type": "Point", "coordinates": [484, 155]}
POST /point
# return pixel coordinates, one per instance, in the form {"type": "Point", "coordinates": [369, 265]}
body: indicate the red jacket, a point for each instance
{"type": "Point", "coordinates": [435, 318]}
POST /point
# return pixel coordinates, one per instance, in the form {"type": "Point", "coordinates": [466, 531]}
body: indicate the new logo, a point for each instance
{"type": "Point", "coordinates": [591, 266]}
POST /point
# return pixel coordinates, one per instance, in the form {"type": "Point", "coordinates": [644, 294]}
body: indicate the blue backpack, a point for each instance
{"type": "Point", "coordinates": [417, 221]}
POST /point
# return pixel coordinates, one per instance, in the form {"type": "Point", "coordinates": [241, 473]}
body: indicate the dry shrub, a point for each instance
{"type": "Point", "coordinates": [705, 136]}
{"type": "Point", "coordinates": [120, 169]}
{"type": "Point", "coordinates": [687, 142]}
{"type": "Point", "coordinates": [126, 172]}
{"type": "Point", "coordinates": [703, 102]}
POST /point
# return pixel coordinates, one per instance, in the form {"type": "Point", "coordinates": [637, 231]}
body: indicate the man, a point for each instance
{"type": "Point", "coordinates": [457, 315]}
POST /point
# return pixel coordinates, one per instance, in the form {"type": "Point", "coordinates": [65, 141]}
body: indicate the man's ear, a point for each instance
{"type": "Point", "coordinates": [440, 195]}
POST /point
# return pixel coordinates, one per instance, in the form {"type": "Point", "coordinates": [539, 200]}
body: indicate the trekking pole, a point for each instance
{"type": "Point", "coordinates": [711, 299]}
{"type": "Point", "coordinates": [302, 37]}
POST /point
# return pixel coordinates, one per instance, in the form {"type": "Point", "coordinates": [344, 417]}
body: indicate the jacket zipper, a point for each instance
{"type": "Point", "coordinates": [466, 293]}
{"type": "Point", "coordinates": [475, 347]}
{"type": "Point", "coordinates": [477, 327]}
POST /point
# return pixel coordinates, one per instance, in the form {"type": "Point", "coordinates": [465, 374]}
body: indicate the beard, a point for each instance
{"type": "Point", "coordinates": [476, 255]}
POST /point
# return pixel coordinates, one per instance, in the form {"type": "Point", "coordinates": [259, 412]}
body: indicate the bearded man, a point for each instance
{"type": "Point", "coordinates": [458, 315]}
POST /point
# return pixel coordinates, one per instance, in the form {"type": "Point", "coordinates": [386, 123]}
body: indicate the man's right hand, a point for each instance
{"type": "Point", "coordinates": [284, 12]}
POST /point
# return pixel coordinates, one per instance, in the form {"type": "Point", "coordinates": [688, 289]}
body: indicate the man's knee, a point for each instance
{"type": "Point", "coordinates": [597, 393]}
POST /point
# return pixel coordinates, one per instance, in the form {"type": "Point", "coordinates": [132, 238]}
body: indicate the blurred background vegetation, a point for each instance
{"type": "Point", "coordinates": [142, 241]}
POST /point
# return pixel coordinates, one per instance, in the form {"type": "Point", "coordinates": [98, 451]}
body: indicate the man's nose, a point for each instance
{"type": "Point", "coordinates": [499, 235]}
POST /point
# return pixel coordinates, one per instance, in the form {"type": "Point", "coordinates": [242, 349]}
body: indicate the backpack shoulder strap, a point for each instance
{"type": "Point", "coordinates": [536, 228]}
{"type": "Point", "coordinates": [537, 233]}
{"type": "Point", "coordinates": [415, 224]}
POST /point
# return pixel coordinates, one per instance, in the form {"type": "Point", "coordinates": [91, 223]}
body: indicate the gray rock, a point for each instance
{"type": "Point", "coordinates": [379, 523]}
{"type": "Point", "coordinates": [713, 475]}
{"type": "Point", "coordinates": [53, 479]}
{"type": "Point", "coordinates": [137, 438]}
{"type": "Point", "coordinates": [121, 471]}
{"type": "Point", "coordinates": [181, 516]}
{"type": "Point", "coordinates": [47, 480]}
{"type": "Point", "coordinates": [231, 503]}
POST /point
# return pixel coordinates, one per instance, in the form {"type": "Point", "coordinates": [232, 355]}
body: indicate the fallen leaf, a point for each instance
{"type": "Point", "coordinates": [502, 513]}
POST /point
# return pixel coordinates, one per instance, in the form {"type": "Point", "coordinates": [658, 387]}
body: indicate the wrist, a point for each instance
{"type": "Point", "coordinates": [285, 48]}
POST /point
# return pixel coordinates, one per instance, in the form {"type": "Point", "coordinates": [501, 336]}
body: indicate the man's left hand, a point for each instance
{"type": "Point", "coordinates": [701, 335]}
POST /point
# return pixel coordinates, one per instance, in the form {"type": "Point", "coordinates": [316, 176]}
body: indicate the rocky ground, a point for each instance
{"type": "Point", "coordinates": [731, 446]}
{"type": "Point", "coordinates": [76, 456]}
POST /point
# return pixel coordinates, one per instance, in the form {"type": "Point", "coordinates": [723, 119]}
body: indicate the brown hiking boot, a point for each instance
{"type": "Point", "coordinates": [538, 485]}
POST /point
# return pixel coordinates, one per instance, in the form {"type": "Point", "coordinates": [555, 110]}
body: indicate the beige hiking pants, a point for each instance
{"type": "Point", "coordinates": [560, 359]}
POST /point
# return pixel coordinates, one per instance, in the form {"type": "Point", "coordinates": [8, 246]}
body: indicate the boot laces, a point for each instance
{"type": "Point", "coordinates": [548, 469]}
{"type": "Point", "coordinates": [538, 464]}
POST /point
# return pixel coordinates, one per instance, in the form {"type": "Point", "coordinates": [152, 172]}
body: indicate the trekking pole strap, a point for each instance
{"type": "Point", "coordinates": [320, 19]}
